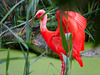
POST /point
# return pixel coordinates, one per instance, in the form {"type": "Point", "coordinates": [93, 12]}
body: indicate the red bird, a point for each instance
{"type": "Point", "coordinates": [76, 25]}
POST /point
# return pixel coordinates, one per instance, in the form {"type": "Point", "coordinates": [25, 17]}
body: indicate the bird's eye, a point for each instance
{"type": "Point", "coordinates": [39, 13]}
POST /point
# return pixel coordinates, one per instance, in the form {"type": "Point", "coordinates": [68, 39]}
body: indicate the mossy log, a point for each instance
{"type": "Point", "coordinates": [39, 45]}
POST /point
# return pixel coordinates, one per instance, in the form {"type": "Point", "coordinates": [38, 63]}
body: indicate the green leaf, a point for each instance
{"type": "Point", "coordinates": [51, 3]}
{"type": "Point", "coordinates": [37, 58]}
{"type": "Point", "coordinates": [92, 5]}
{"type": "Point", "coordinates": [67, 62]}
{"type": "Point", "coordinates": [69, 38]}
{"type": "Point", "coordinates": [22, 50]}
{"type": "Point", "coordinates": [88, 6]}
{"type": "Point", "coordinates": [63, 38]}
{"type": "Point", "coordinates": [32, 9]}
{"type": "Point", "coordinates": [86, 31]}
{"type": "Point", "coordinates": [67, 45]}
{"type": "Point", "coordinates": [7, 63]}
{"type": "Point", "coordinates": [97, 8]}
{"type": "Point", "coordinates": [67, 35]}
{"type": "Point", "coordinates": [66, 59]}
{"type": "Point", "coordinates": [71, 56]}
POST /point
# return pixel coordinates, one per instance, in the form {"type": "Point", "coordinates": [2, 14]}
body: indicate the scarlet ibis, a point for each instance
{"type": "Point", "coordinates": [76, 25]}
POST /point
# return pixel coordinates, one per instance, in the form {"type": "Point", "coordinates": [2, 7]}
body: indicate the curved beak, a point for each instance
{"type": "Point", "coordinates": [35, 17]}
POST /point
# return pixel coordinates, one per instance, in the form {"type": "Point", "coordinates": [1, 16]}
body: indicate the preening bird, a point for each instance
{"type": "Point", "coordinates": [76, 25]}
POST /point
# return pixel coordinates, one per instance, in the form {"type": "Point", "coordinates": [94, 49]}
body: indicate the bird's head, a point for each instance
{"type": "Point", "coordinates": [39, 14]}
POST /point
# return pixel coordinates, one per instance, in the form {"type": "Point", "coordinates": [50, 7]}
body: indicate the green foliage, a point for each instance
{"type": "Point", "coordinates": [10, 11]}
{"type": "Point", "coordinates": [23, 45]}
{"type": "Point", "coordinates": [7, 63]}
{"type": "Point", "coordinates": [19, 13]}
{"type": "Point", "coordinates": [18, 38]}
{"type": "Point", "coordinates": [31, 8]}
{"type": "Point", "coordinates": [14, 10]}
{"type": "Point", "coordinates": [92, 17]}
{"type": "Point", "coordinates": [67, 45]}
{"type": "Point", "coordinates": [64, 41]}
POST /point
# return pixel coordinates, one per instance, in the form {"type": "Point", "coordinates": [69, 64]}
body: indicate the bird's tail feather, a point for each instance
{"type": "Point", "coordinates": [79, 60]}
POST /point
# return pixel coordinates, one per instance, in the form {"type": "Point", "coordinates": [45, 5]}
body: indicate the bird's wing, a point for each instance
{"type": "Point", "coordinates": [78, 18]}
{"type": "Point", "coordinates": [56, 41]}
{"type": "Point", "coordinates": [76, 24]}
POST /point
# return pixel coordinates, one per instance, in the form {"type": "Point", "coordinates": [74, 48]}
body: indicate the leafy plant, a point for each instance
{"type": "Point", "coordinates": [20, 12]}
{"type": "Point", "coordinates": [66, 39]}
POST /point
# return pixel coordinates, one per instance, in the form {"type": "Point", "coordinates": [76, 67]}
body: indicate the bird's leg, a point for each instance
{"type": "Point", "coordinates": [61, 72]}
{"type": "Point", "coordinates": [62, 68]}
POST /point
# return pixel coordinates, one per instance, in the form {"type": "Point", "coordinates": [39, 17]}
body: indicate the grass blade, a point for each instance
{"type": "Point", "coordinates": [69, 38]}
{"type": "Point", "coordinates": [38, 58]}
{"type": "Point", "coordinates": [11, 11]}
{"type": "Point", "coordinates": [67, 45]}
{"type": "Point", "coordinates": [64, 42]}
{"type": "Point", "coordinates": [22, 50]}
{"type": "Point", "coordinates": [51, 3]}
{"type": "Point", "coordinates": [32, 8]}
{"type": "Point", "coordinates": [92, 12]}
{"type": "Point", "coordinates": [89, 7]}
{"type": "Point", "coordinates": [92, 5]}
{"type": "Point", "coordinates": [86, 31]}
{"type": "Point", "coordinates": [67, 61]}
{"type": "Point", "coordinates": [13, 58]}
{"type": "Point", "coordinates": [54, 66]}
{"type": "Point", "coordinates": [7, 63]}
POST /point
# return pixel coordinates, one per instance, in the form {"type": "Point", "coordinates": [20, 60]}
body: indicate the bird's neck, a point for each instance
{"type": "Point", "coordinates": [43, 23]}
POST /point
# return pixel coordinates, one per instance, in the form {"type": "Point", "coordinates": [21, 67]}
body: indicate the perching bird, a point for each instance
{"type": "Point", "coordinates": [76, 25]}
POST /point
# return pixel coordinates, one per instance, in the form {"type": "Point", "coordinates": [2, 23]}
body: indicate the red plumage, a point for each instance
{"type": "Point", "coordinates": [76, 25]}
